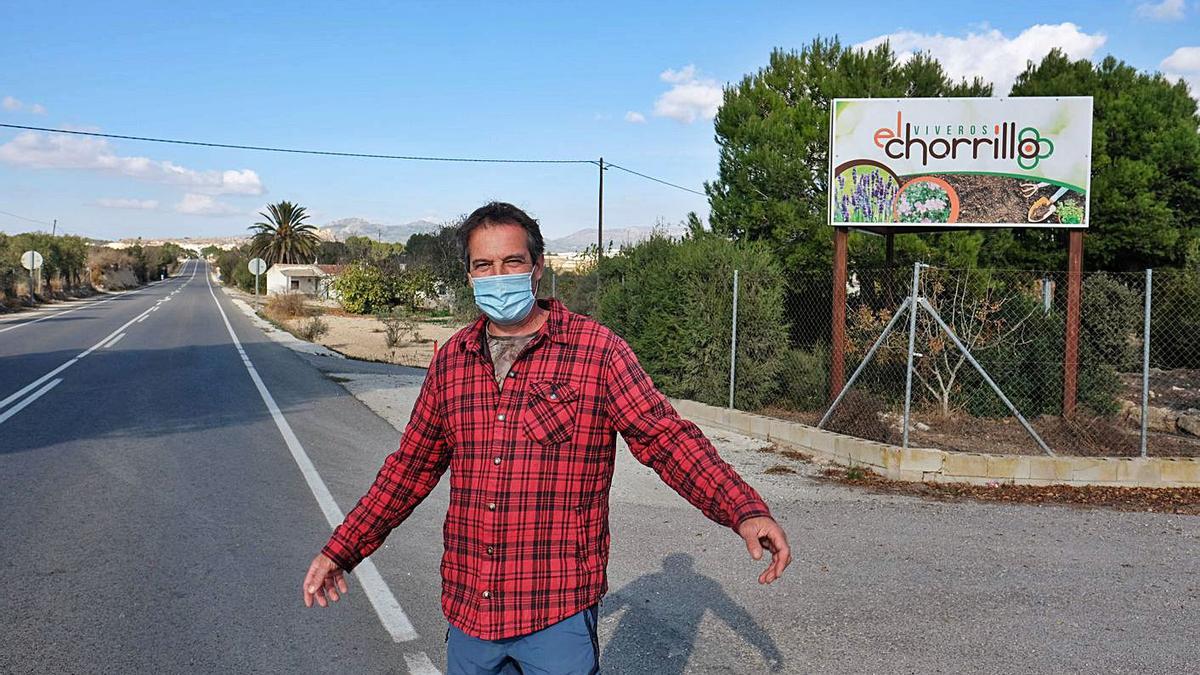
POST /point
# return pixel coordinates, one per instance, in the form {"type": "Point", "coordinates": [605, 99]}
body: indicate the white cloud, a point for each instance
{"type": "Point", "coordinates": [139, 204]}
{"type": "Point", "coordinates": [1167, 10]}
{"type": "Point", "coordinates": [989, 53]}
{"type": "Point", "coordinates": [57, 151]}
{"type": "Point", "coordinates": [204, 205]}
{"type": "Point", "coordinates": [684, 74]}
{"type": "Point", "coordinates": [16, 105]}
{"type": "Point", "coordinates": [634, 117]}
{"type": "Point", "coordinates": [690, 98]}
{"type": "Point", "coordinates": [1184, 63]}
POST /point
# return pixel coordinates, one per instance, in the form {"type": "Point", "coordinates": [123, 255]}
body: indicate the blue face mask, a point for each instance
{"type": "Point", "coordinates": [505, 298]}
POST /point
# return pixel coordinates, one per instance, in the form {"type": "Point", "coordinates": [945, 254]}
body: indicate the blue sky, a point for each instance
{"type": "Point", "coordinates": [634, 82]}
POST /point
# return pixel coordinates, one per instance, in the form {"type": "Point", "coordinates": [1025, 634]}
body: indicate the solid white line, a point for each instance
{"type": "Point", "coordinates": [114, 341]}
{"type": "Point", "coordinates": [21, 406]}
{"type": "Point", "coordinates": [419, 664]}
{"type": "Point", "coordinates": [21, 392]}
{"type": "Point", "coordinates": [393, 618]}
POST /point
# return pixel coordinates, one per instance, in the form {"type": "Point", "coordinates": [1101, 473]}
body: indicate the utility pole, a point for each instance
{"type": "Point", "coordinates": [54, 228]}
{"type": "Point", "coordinates": [600, 217]}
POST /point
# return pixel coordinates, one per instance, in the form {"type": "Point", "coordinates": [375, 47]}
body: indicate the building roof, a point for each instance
{"type": "Point", "coordinates": [298, 270]}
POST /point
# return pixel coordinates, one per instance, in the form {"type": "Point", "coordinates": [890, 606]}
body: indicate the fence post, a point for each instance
{"type": "Point", "coordinates": [733, 340]}
{"type": "Point", "coordinates": [1146, 361]}
{"type": "Point", "coordinates": [553, 284]}
{"type": "Point", "coordinates": [912, 339]}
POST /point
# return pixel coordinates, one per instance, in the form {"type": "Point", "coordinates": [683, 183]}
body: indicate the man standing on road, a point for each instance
{"type": "Point", "coordinates": [523, 407]}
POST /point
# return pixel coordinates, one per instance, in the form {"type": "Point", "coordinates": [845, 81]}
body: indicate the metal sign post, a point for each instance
{"type": "Point", "coordinates": [32, 261]}
{"type": "Point", "coordinates": [257, 266]}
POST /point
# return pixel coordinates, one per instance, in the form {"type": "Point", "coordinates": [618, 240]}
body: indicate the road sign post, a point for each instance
{"type": "Point", "coordinates": [257, 266]}
{"type": "Point", "coordinates": [32, 261]}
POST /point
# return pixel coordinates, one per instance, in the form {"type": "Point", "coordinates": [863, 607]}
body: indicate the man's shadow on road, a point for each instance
{"type": "Point", "coordinates": [662, 619]}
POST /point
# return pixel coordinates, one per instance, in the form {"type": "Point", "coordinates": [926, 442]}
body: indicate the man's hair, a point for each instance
{"type": "Point", "coordinates": [501, 213]}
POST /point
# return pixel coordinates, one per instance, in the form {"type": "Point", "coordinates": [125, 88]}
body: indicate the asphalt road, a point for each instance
{"type": "Point", "coordinates": [158, 515]}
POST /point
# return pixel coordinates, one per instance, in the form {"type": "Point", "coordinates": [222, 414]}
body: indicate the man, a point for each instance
{"type": "Point", "coordinates": [523, 407]}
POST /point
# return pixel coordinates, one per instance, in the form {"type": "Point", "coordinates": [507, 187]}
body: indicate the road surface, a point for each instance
{"type": "Point", "coordinates": [167, 473]}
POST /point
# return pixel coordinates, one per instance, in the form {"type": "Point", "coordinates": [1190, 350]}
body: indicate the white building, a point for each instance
{"type": "Point", "coordinates": [314, 280]}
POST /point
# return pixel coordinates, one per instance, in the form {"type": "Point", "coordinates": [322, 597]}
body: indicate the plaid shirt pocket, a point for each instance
{"type": "Point", "coordinates": [550, 412]}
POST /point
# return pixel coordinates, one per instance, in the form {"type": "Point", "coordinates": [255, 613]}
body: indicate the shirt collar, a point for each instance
{"type": "Point", "coordinates": [554, 329]}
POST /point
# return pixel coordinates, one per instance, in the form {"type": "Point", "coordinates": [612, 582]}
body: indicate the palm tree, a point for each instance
{"type": "Point", "coordinates": [284, 237]}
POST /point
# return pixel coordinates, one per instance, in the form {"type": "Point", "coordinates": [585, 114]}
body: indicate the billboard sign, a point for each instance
{"type": "Point", "coordinates": [960, 162]}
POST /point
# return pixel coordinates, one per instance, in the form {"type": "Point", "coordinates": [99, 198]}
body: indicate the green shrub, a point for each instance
{"type": "Point", "coordinates": [1110, 323]}
{"type": "Point", "coordinates": [804, 377]}
{"type": "Point", "coordinates": [1175, 319]}
{"type": "Point", "coordinates": [363, 289]}
{"type": "Point", "coordinates": [673, 301]}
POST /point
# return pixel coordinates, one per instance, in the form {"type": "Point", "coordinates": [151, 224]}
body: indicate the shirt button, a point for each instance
{"type": "Point", "coordinates": [491, 506]}
{"type": "Point", "coordinates": [553, 397]}
{"type": "Point", "coordinates": [497, 461]}
{"type": "Point", "coordinates": [500, 417]}
{"type": "Point", "coordinates": [491, 550]}
{"type": "Point", "coordinates": [487, 594]}
{"type": "Point", "coordinates": [512, 373]}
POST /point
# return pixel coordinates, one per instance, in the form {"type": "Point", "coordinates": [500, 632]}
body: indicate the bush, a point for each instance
{"type": "Point", "coordinates": [804, 375]}
{"type": "Point", "coordinates": [1175, 319]}
{"type": "Point", "coordinates": [397, 324]}
{"type": "Point", "coordinates": [673, 301]}
{"type": "Point", "coordinates": [1110, 323]}
{"type": "Point", "coordinates": [363, 289]}
{"type": "Point", "coordinates": [283, 306]}
{"type": "Point", "coordinates": [313, 329]}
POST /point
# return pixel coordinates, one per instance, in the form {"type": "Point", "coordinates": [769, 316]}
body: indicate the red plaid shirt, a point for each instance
{"type": "Point", "coordinates": [527, 534]}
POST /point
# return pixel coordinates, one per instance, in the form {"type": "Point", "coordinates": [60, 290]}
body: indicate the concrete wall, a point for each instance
{"type": "Point", "coordinates": [926, 464]}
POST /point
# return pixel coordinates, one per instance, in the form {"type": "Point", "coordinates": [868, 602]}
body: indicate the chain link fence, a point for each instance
{"type": "Point", "coordinates": [1013, 324]}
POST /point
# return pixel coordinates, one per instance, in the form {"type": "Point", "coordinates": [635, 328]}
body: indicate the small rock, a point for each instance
{"type": "Point", "coordinates": [1162, 419]}
{"type": "Point", "coordinates": [1189, 424]}
{"type": "Point", "coordinates": [920, 426]}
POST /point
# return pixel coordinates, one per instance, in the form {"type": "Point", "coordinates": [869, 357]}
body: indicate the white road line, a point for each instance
{"type": "Point", "coordinates": [21, 392]}
{"type": "Point", "coordinates": [393, 618]}
{"type": "Point", "coordinates": [21, 406]}
{"type": "Point", "coordinates": [419, 664]}
{"type": "Point", "coordinates": [114, 341]}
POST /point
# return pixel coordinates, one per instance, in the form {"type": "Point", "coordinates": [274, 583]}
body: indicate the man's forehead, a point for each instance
{"type": "Point", "coordinates": [502, 240]}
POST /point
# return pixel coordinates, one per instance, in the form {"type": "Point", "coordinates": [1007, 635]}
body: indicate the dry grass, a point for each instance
{"type": "Point", "coordinates": [284, 306]}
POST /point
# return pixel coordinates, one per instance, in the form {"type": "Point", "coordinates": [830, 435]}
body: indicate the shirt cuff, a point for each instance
{"type": "Point", "coordinates": [341, 553]}
{"type": "Point", "coordinates": [748, 510]}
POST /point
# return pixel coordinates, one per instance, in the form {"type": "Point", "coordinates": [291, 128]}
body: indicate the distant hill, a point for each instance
{"type": "Point", "coordinates": [614, 238]}
{"type": "Point", "coordinates": [338, 230]}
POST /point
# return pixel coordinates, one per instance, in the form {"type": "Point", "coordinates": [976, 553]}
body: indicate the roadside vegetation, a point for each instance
{"type": "Point", "coordinates": [76, 267]}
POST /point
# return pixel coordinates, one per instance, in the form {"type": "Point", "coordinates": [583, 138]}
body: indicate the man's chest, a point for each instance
{"type": "Point", "coordinates": [548, 416]}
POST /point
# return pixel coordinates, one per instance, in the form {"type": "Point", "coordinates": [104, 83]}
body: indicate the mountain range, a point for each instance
{"type": "Point", "coordinates": [338, 230]}
{"type": "Point", "coordinates": [615, 237]}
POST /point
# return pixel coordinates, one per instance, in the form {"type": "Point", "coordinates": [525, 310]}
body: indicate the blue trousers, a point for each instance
{"type": "Point", "coordinates": [568, 647]}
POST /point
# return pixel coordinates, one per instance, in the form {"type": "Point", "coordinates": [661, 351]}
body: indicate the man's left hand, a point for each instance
{"type": "Point", "coordinates": [763, 532]}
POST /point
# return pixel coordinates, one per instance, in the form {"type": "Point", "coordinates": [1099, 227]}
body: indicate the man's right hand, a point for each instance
{"type": "Point", "coordinates": [324, 580]}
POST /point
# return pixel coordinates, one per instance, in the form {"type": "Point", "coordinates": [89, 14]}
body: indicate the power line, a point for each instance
{"type": "Point", "coordinates": [299, 151]}
{"type": "Point", "coordinates": [333, 153]}
{"type": "Point", "coordinates": [32, 220]}
{"type": "Point", "coordinates": [656, 180]}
